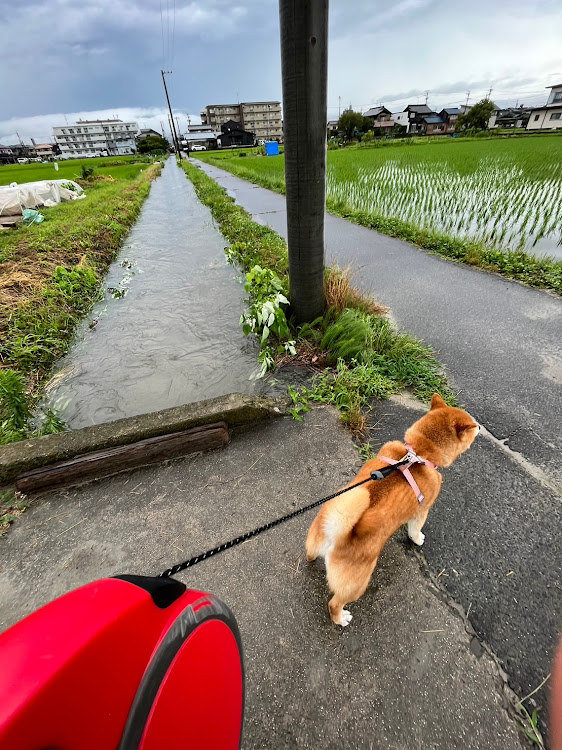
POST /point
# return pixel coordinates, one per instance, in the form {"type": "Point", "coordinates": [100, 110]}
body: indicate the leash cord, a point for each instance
{"type": "Point", "coordinates": [375, 476]}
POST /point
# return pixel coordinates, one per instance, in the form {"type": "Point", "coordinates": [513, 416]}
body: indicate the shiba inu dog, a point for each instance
{"type": "Point", "coordinates": [351, 530]}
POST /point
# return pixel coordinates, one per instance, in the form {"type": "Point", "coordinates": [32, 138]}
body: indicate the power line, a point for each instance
{"type": "Point", "coordinates": [173, 35]}
{"type": "Point", "coordinates": [168, 27]}
{"type": "Point", "coordinates": [162, 27]}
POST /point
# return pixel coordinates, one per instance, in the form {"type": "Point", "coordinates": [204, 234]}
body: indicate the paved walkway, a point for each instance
{"type": "Point", "coordinates": [404, 676]}
{"type": "Point", "coordinates": [496, 537]}
{"type": "Point", "coordinates": [501, 341]}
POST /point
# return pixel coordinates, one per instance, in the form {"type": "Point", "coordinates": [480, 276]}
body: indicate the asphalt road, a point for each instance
{"type": "Point", "coordinates": [496, 536]}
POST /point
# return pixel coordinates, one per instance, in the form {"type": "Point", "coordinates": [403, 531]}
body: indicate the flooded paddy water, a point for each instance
{"type": "Point", "coordinates": [166, 332]}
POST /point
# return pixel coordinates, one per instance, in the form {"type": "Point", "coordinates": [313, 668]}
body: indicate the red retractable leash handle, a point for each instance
{"type": "Point", "coordinates": [131, 663]}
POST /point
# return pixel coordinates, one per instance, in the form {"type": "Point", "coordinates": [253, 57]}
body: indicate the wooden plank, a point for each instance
{"type": "Point", "coordinates": [124, 457]}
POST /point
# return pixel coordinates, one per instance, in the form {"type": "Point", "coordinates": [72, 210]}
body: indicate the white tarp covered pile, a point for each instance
{"type": "Point", "coordinates": [13, 199]}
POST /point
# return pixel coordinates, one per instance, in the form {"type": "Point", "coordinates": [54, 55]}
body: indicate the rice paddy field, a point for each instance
{"type": "Point", "coordinates": [500, 194]}
{"type": "Point", "coordinates": [119, 167]}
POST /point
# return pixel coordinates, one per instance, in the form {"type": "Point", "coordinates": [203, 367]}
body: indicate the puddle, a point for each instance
{"type": "Point", "coordinates": [167, 331]}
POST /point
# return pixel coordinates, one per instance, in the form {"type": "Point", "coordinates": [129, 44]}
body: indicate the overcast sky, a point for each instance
{"type": "Point", "coordinates": [103, 57]}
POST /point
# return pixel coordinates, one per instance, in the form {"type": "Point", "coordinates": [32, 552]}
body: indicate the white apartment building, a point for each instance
{"type": "Point", "coordinates": [261, 118]}
{"type": "Point", "coordinates": [549, 116]}
{"type": "Point", "coordinates": [96, 138]}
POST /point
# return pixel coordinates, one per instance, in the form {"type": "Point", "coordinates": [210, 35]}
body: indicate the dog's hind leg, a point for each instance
{"type": "Point", "coordinates": [348, 583]}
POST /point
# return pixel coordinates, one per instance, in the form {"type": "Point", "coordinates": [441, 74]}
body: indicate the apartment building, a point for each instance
{"type": "Point", "coordinates": [261, 118]}
{"type": "Point", "coordinates": [96, 138]}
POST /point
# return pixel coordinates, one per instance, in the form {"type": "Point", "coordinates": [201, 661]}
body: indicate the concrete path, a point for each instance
{"type": "Point", "coordinates": [502, 345]}
{"type": "Point", "coordinates": [405, 675]}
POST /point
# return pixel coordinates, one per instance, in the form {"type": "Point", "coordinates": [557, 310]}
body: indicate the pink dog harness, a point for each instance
{"type": "Point", "coordinates": [409, 460]}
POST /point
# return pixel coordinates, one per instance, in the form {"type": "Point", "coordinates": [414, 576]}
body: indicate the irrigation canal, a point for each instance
{"type": "Point", "coordinates": [166, 332]}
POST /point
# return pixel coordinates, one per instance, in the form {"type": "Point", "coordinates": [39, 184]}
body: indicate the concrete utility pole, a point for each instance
{"type": "Point", "coordinates": [304, 67]}
{"type": "Point", "coordinates": [173, 126]}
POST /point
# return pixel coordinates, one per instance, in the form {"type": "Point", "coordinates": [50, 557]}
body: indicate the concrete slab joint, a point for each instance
{"type": "Point", "coordinates": [235, 409]}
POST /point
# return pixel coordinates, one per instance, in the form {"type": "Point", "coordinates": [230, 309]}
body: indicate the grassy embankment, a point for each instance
{"type": "Point", "coordinates": [493, 203]}
{"type": "Point", "coordinates": [359, 355]}
{"type": "Point", "coordinates": [50, 276]}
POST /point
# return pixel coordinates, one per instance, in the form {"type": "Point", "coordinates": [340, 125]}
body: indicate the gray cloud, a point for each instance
{"type": "Point", "coordinates": [67, 56]}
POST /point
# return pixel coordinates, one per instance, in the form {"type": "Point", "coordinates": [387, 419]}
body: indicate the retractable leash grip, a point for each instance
{"type": "Point", "coordinates": [129, 662]}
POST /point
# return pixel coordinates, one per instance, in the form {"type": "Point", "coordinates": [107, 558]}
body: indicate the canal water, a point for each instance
{"type": "Point", "coordinates": [167, 331]}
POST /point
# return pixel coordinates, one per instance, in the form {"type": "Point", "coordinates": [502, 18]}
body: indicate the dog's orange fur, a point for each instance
{"type": "Point", "coordinates": [351, 530]}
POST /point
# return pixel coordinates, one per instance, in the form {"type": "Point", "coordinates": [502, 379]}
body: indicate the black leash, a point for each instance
{"type": "Point", "coordinates": [375, 476]}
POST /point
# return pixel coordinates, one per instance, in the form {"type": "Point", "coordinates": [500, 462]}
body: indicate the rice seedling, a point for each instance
{"type": "Point", "coordinates": [460, 198]}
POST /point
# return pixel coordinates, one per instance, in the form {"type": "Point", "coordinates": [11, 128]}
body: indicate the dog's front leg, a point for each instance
{"type": "Point", "coordinates": [415, 527]}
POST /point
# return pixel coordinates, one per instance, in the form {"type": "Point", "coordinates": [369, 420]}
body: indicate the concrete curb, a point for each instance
{"type": "Point", "coordinates": [235, 409]}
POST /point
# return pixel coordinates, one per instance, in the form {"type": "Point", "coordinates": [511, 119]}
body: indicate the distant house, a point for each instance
{"type": "Point", "coordinates": [6, 155]}
{"type": "Point", "coordinates": [205, 138]}
{"type": "Point", "coordinates": [416, 113]}
{"type": "Point", "coordinates": [450, 115]}
{"type": "Point", "coordinates": [233, 134]}
{"type": "Point", "coordinates": [379, 114]}
{"type": "Point", "coordinates": [432, 125]}
{"type": "Point", "coordinates": [44, 150]}
{"type": "Point", "coordinates": [550, 116]}
{"type": "Point", "coordinates": [332, 128]}
{"type": "Point", "coordinates": [510, 117]}
{"type": "Point", "coordinates": [148, 133]}
{"type": "Point", "coordinates": [21, 151]}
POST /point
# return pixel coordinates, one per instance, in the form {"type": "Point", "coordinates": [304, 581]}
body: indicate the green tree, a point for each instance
{"type": "Point", "coordinates": [477, 117]}
{"type": "Point", "coordinates": [367, 124]}
{"type": "Point", "coordinates": [349, 122]}
{"type": "Point", "coordinates": [152, 144]}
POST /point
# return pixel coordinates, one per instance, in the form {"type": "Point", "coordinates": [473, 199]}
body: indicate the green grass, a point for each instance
{"type": "Point", "coordinates": [494, 203]}
{"type": "Point", "coordinates": [369, 358]}
{"type": "Point", "coordinates": [120, 167]}
{"type": "Point", "coordinates": [50, 277]}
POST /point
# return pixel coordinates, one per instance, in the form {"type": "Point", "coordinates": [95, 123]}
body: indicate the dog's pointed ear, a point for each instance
{"type": "Point", "coordinates": [437, 402]}
{"type": "Point", "coordinates": [462, 426]}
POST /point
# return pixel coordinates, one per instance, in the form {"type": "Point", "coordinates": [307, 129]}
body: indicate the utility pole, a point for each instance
{"type": "Point", "coordinates": [426, 97]}
{"type": "Point", "coordinates": [172, 126]}
{"type": "Point", "coordinates": [163, 131]}
{"type": "Point", "coordinates": [489, 92]}
{"type": "Point", "coordinates": [467, 98]}
{"type": "Point", "coordinates": [304, 68]}
{"type": "Point", "coordinates": [339, 107]}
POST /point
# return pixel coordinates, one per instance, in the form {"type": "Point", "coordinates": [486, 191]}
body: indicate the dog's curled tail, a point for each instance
{"type": "Point", "coordinates": [344, 512]}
